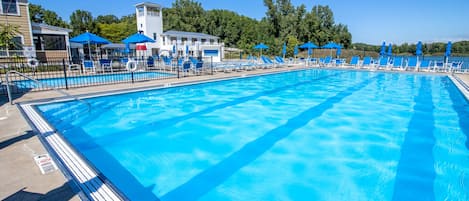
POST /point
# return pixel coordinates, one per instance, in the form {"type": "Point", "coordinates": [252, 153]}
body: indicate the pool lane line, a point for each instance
{"type": "Point", "coordinates": [415, 173]}
{"type": "Point", "coordinates": [215, 175]}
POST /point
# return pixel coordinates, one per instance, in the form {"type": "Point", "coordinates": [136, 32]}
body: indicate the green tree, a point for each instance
{"type": "Point", "coordinates": [36, 13]}
{"type": "Point", "coordinates": [291, 43]}
{"type": "Point", "coordinates": [185, 15]}
{"type": "Point", "coordinates": [51, 18]}
{"type": "Point", "coordinates": [107, 19]}
{"type": "Point", "coordinates": [116, 32]}
{"type": "Point", "coordinates": [40, 15]}
{"type": "Point", "coordinates": [82, 21]}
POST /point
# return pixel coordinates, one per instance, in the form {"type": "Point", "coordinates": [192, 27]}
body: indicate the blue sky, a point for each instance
{"type": "Point", "coordinates": [369, 21]}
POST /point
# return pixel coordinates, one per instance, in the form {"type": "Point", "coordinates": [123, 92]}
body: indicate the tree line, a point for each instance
{"type": "Point", "coordinates": [460, 48]}
{"type": "Point", "coordinates": [283, 23]}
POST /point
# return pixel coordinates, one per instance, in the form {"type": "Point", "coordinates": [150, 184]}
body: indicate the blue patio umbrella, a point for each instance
{"type": "Point", "coordinates": [174, 49]}
{"type": "Point", "coordinates": [418, 50]}
{"type": "Point", "coordinates": [187, 50]}
{"type": "Point", "coordinates": [390, 50]}
{"type": "Point", "coordinates": [138, 38]}
{"type": "Point", "coordinates": [261, 46]}
{"type": "Point", "coordinates": [284, 49]}
{"type": "Point", "coordinates": [89, 38]}
{"type": "Point", "coordinates": [295, 50]}
{"type": "Point", "coordinates": [309, 45]}
{"type": "Point", "coordinates": [382, 52]}
{"type": "Point", "coordinates": [448, 49]}
{"type": "Point", "coordinates": [331, 45]}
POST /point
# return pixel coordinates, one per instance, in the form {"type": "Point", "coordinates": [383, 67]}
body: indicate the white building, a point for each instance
{"type": "Point", "coordinates": [150, 22]}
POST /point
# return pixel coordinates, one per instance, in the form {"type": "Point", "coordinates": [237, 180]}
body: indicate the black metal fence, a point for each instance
{"type": "Point", "coordinates": [61, 73]}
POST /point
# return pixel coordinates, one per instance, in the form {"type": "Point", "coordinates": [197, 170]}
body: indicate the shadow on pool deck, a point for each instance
{"type": "Point", "coordinates": [16, 139]}
{"type": "Point", "coordinates": [60, 193]}
{"type": "Point", "coordinates": [218, 173]}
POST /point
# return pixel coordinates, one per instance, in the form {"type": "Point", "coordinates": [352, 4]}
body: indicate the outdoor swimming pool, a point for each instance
{"type": "Point", "coordinates": [92, 79]}
{"type": "Point", "coordinates": [302, 135]}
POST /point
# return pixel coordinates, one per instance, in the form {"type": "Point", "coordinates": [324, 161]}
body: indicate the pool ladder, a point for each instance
{"type": "Point", "coordinates": [43, 84]}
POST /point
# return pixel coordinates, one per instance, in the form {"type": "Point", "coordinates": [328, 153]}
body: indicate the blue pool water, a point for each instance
{"type": "Point", "coordinates": [304, 135]}
{"type": "Point", "coordinates": [92, 79]}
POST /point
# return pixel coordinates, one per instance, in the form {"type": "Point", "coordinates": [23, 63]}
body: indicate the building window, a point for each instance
{"type": "Point", "coordinates": [17, 43]}
{"type": "Point", "coordinates": [15, 48]}
{"type": "Point", "coordinates": [140, 11]}
{"type": "Point", "coordinates": [154, 36]}
{"type": "Point", "coordinates": [10, 7]}
{"type": "Point", "coordinates": [50, 42]}
{"type": "Point", "coordinates": [153, 11]}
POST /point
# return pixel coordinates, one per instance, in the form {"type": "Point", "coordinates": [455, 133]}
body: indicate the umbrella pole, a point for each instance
{"type": "Point", "coordinates": [89, 50]}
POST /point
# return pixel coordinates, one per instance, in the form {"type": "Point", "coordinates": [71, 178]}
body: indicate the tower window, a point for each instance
{"type": "Point", "coordinates": [154, 36]}
{"type": "Point", "coordinates": [153, 11]}
{"type": "Point", "coordinates": [140, 11]}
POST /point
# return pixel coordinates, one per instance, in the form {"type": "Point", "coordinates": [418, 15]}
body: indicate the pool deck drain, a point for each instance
{"type": "Point", "coordinates": [21, 179]}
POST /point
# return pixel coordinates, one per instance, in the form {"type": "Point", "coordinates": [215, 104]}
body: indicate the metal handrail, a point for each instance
{"type": "Point", "coordinates": [40, 83]}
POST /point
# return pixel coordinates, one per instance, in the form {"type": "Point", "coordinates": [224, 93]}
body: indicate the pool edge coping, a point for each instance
{"type": "Point", "coordinates": [461, 85]}
{"type": "Point", "coordinates": [86, 181]}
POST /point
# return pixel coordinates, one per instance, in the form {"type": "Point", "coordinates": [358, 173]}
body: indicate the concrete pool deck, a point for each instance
{"type": "Point", "coordinates": [21, 178]}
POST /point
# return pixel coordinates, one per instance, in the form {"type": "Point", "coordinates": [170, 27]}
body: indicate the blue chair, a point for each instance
{"type": "Point", "coordinates": [438, 66]}
{"type": "Point", "coordinates": [105, 64]}
{"type": "Point", "coordinates": [267, 61]}
{"type": "Point", "coordinates": [150, 62]}
{"type": "Point", "coordinates": [279, 60]}
{"type": "Point", "coordinates": [366, 62]}
{"type": "Point", "coordinates": [327, 61]}
{"type": "Point", "coordinates": [88, 65]}
{"type": "Point", "coordinates": [455, 66]}
{"type": "Point", "coordinates": [354, 61]}
{"type": "Point", "coordinates": [411, 63]}
{"type": "Point", "coordinates": [186, 67]}
{"type": "Point", "coordinates": [424, 65]}
{"type": "Point", "coordinates": [383, 62]}
{"type": "Point", "coordinates": [397, 63]}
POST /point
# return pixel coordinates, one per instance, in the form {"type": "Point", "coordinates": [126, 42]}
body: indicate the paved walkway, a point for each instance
{"type": "Point", "coordinates": [19, 176]}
